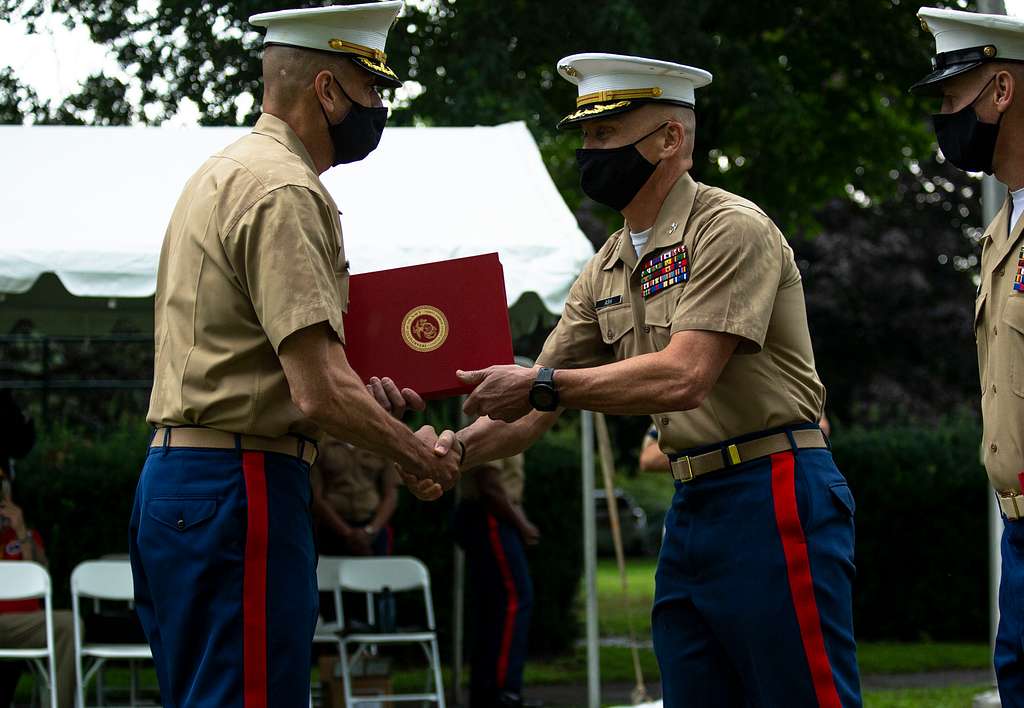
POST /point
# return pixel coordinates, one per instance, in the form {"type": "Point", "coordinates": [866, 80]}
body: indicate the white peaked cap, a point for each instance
{"type": "Point", "coordinates": [612, 83]}
{"type": "Point", "coordinates": [359, 31]}
{"type": "Point", "coordinates": [966, 40]}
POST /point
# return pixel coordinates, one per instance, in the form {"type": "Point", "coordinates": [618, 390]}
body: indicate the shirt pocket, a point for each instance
{"type": "Point", "coordinates": [616, 325]}
{"type": "Point", "coordinates": [1013, 318]}
{"type": "Point", "coordinates": [659, 313]}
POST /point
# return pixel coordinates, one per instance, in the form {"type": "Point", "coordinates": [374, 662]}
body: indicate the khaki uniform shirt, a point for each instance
{"type": "Point", "coordinates": [511, 477]}
{"type": "Point", "coordinates": [352, 480]}
{"type": "Point", "coordinates": [999, 328]}
{"type": "Point", "coordinates": [742, 279]}
{"type": "Point", "coordinates": [252, 254]}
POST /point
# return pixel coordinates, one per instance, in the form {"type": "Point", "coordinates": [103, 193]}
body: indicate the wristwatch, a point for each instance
{"type": "Point", "coordinates": [543, 394]}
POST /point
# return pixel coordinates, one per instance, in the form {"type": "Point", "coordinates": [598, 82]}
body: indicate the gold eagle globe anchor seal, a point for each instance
{"type": "Point", "coordinates": [424, 328]}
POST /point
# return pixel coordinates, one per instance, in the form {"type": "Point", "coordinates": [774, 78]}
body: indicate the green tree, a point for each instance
{"type": "Point", "coordinates": [808, 96]}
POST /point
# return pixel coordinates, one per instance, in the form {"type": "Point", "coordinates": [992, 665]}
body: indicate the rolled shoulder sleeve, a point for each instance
{"type": "Point", "coordinates": [284, 250]}
{"type": "Point", "coordinates": [576, 340]}
{"type": "Point", "coordinates": [735, 271]}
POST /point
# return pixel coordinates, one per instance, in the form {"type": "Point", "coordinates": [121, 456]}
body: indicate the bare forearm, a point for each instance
{"type": "Point", "coordinates": [487, 440]}
{"type": "Point", "coordinates": [326, 389]}
{"type": "Point", "coordinates": [499, 505]}
{"type": "Point", "coordinates": [386, 509]}
{"type": "Point", "coordinates": [641, 385]}
{"type": "Point", "coordinates": [349, 413]}
{"type": "Point", "coordinates": [652, 459]}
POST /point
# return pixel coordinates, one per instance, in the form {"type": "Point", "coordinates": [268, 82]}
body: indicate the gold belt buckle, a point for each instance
{"type": "Point", "coordinates": [689, 471]}
{"type": "Point", "coordinates": [1012, 498]}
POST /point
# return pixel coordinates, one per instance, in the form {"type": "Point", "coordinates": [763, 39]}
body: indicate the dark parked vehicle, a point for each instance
{"type": "Point", "coordinates": [636, 539]}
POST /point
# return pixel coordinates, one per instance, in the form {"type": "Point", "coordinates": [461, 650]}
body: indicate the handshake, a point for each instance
{"type": "Point", "coordinates": [441, 470]}
{"type": "Point", "coordinates": [499, 392]}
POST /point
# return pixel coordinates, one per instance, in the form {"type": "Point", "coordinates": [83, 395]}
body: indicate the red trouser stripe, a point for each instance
{"type": "Point", "coordinates": [801, 584]}
{"type": "Point", "coordinates": [512, 605]}
{"type": "Point", "coordinates": [254, 588]}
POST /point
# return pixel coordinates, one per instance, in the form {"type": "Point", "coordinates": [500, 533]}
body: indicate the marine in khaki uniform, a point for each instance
{"type": "Point", "coordinates": [355, 494]}
{"type": "Point", "coordinates": [694, 313]}
{"type": "Point", "coordinates": [250, 368]}
{"type": "Point", "coordinates": [492, 528]}
{"type": "Point", "coordinates": [978, 71]}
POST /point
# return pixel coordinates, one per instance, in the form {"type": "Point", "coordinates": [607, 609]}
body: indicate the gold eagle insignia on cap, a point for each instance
{"type": "Point", "coordinates": [376, 66]}
{"type": "Point", "coordinates": [594, 110]}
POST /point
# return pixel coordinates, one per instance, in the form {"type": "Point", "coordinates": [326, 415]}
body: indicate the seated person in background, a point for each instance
{"type": "Point", "coordinates": [492, 528]}
{"type": "Point", "coordinates": [23, 622]}
{"type": "Point", "coordinates": [355, 493]}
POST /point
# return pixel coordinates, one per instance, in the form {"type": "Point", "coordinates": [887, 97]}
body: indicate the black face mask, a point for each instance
{"type": "Point", "coordinates": [613, 176]}
{"type": "Point", "coordinates": [358, 133]}
{"type": "Point", "coordinates": [965, 141]}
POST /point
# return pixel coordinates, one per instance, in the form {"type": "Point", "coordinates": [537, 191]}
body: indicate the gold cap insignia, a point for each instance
{"type": "Point", "coordinates": [359, 50]}
{"type": "Point", "coordinates": [989, 51]}
{"type": "Point", "coordinates": [618, 95]}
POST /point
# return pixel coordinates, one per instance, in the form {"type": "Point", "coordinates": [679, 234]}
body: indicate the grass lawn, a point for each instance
{"type": "Point", "coordinates": [953, 697]}
{"type": "Point", "coordinates": [617, 666]}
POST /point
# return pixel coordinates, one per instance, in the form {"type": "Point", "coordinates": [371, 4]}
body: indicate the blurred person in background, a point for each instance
{"type": "Point", "coordinates": [355, 494]}
{"type": "Point", "coordinates": [23, 622]}
{"type": "Point", "coordinates": [493, 529]}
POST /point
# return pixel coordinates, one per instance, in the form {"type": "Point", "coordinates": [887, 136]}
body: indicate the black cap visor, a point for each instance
{"type": "Point", "coordinates": [932, 84]}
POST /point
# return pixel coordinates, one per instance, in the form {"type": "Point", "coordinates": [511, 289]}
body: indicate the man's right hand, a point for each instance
{"type": "Point", "coordinates": [529, 532]}
{"type": "Point", "coordinates": [438, 471]}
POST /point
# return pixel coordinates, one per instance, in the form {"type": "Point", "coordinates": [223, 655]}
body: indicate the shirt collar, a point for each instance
{"type": "Point", "coordinates": [669, 227]}
{"type": "Point", "coordinates": [274, 127]}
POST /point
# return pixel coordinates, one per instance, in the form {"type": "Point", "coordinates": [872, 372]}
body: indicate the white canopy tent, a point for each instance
{"type": "Point", "coordinates": [90, 205]}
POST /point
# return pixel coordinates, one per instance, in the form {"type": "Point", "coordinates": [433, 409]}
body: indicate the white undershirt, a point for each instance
{"type": "Point", "coordinates": [1018, 207]}
{"type": "Point", "coordinates": [640, 240]}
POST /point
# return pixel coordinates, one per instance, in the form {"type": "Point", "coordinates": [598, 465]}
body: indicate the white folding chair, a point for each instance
{"type": "Point", "coordinates": [103, 580]}
{"type": "Point", "coordinates": [26, 580]}
{"type": "Point", "coordinates": [397, 574]}
{"type": "Point", "coordinates": [327, 581]}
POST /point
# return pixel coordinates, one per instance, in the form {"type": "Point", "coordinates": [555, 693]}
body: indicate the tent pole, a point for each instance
{"type": "Point", "coordinates": [590, 560]}
{"type": "Point", "coordinates": [459, 596]}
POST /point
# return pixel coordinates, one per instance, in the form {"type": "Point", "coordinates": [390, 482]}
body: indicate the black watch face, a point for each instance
{"type": "Point", "coordinates": [543, 398]}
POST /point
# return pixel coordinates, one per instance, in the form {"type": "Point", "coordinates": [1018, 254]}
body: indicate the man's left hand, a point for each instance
{"type": "Point", "coordinates": [392, 399]}
{"type": "Point", "coordinates": [501, 393]}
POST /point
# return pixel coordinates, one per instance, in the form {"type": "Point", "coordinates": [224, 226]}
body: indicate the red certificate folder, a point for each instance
{"type": "Point", "coordinates": [421, 323]}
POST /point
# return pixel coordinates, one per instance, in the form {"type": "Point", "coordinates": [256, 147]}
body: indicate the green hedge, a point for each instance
{"type": "Point", "coordinates": [77, 489]}
{"type": "Point", "coordinates": [922, 533]}
{"type": "Point", "coordinates": [922, 547]}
